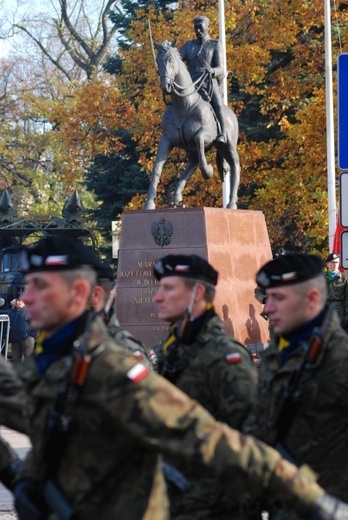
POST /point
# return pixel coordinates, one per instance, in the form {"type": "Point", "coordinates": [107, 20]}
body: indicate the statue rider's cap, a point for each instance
{"type": "Point", "coordinates": [332, 256]}
{"type": "Point", "coordinates": [201, 19]}
{"type": "Point", "coordinates": [289, 269]}
{"type": "Point", "coordinates": [186, 266]}
{"type": "Point", "coordinates": [58, 254]}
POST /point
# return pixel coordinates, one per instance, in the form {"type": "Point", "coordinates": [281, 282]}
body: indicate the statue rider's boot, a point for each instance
{"type": "Point", "coordinates": [221, 138]}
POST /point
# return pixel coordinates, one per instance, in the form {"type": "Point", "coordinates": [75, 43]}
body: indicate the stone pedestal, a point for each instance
{"type": "Point", "coordinates": [235, 242]}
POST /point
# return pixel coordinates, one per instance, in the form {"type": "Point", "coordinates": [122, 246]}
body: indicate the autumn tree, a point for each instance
{"type": "Point", "coordinates": [65, 44]}
{"type": "Point", "coordinates": [81, 107]}
{"type": "Point", "coordinates": [114, 179]}
{"type": "Point", "coordinates": [276, 86]}
{"type": "Point", "coordinates": [28, 164]}
{"type": "Point", "coordinates": [73, 37]}
{"type": "Point", "coordinates": [285, 76]}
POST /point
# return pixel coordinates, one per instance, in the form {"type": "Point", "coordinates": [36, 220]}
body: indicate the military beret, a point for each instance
{"type": "Point", "coordinates": [105, 272]}
{"type": "Point", "coordinates": [56, 254]}
{"type": "Point", "coordinates": [332, 256]}
{"type": "Point", "coordinates": [289, 269]}
{"type": "Point", "coordinates": [187, 266]}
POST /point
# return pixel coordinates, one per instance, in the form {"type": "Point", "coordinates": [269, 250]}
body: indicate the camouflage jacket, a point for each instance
{"type": "Point", "coordinates": [11, 397]}
{"type": "Point", "coordinates": [125, 339]}
{"type": "Point", "coordinates": [216, 371]}
{"type": "Point", "coordinates": [317, 434]}
{"type": "Point", "coordinates": [11, 409]}
{"type": "Point", "coordinates": [125, 417]}
{"type": "Point", "coordinates": [338, 294]}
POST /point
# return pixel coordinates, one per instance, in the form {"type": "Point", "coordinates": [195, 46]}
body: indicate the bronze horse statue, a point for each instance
{"type": "Point", "coordinates": [189, 123]}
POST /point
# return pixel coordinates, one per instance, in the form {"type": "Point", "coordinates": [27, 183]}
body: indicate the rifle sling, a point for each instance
{"type": "Point", "coordinates": [290, 396]}
{"type": "Point", "coordinates": [60, 415]}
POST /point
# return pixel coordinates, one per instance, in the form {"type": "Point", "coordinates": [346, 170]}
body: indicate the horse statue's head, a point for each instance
{"type": "Point", "coordinates": [168, 64]}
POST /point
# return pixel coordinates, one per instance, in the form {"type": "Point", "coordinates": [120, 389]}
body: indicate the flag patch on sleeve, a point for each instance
{"type": "Point", "coordinates": [138, 355]}
{"type": "Point", "coordinates": [233, 358]}
{"type": "Point", "coordinates": [138, 372]}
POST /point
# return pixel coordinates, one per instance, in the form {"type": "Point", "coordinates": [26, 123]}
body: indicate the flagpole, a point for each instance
{"type": "Point", "coordinates": [330, 141]}
{"type": "Point", "coordinates": [223, 86]}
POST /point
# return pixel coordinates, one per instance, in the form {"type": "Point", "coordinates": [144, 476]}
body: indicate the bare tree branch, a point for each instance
{"type": "Point", "coordinates": [44, 51]}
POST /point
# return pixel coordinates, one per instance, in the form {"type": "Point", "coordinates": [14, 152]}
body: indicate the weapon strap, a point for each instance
{"type": "Point", "coordinates": [61, 414]}
{"type": "Point", "coordinates": [174, 365]}
{"type": "Point", "coordinates": [315, 345]}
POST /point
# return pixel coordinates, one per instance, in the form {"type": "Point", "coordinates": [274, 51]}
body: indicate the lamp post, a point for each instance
{"type": "Point", "coordinates": [330, 142]}
{"type": "Point", "coordinates": [222, 38]}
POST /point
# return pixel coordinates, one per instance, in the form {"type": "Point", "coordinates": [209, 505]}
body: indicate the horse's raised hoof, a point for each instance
{"type": "Point", "coordinates": [207, 172]}
{"type": "Point", "coordinates": [149, 204]}
{"type": "Point", "coordinates": [221, 139]}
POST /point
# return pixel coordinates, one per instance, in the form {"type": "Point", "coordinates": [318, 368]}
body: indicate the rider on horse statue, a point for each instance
{"type": "Point", "coordinates": [204, 59]}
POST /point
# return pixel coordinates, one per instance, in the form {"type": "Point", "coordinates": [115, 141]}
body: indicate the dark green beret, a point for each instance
{"type": "Point", "coordinates": [289, 269]}
{"type": "Point", "coordinates": [187, 266]}
{"type": "Point", "coordinates": [57, 254]}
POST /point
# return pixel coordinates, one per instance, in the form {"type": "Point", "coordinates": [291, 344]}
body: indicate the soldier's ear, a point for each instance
{"type": "Point", "coordinates": [97, 298]}
{"type": "Point", "coordinates": [200, 292]}
{"type": "Point", "coordinates": [313, 296]}
{"type": "Point", "coordinates": [81, 290]}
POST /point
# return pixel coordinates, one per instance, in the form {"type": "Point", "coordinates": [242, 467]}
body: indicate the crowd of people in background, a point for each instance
{"type": "Point", "coordinates": [192, 429]}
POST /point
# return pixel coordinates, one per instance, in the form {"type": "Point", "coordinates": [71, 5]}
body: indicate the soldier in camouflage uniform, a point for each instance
{"type": "Point", "coordinates": [309, 427]}
{"type": "Point", "coordinates": [99, 301]}
{"type": "Point", "coordinates": [9, 464]}
{"type": "Point", "coordinates": [338, 288]}
{"type": "Point", "coordinates": [11, 405]}
{"type": "Point", "coordinates": [208, 365]}
{"type": "Point", "coordinates": [117, 416]}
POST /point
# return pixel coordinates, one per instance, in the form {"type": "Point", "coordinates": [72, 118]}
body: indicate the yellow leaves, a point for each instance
{"type": "Point", "coordinates": [249, 65]}
{"type": "Point", "coordinates": [90, 123]}
{"type": "Point", "coordinates": [284, 124]}
{"type": "Point", "coordinates": [275, 51]}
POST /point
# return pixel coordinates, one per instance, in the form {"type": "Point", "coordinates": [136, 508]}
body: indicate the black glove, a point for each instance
{"type": "Point", "coordinates": [29, 503]}
{"type": "Point", "coordinates": [330, 508]}
{"type": "Point", "coordinates": [252, 508]}
{"type": "Point", "coordinates": [345, 324]}
{"type": "Point", "coordinates": [8, 475]}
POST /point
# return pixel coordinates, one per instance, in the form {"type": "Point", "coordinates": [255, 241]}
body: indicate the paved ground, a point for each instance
{"type": "Point", "coordinates": [21, 444]}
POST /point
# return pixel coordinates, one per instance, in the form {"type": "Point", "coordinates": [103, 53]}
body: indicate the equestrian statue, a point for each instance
{"type": "Point", "coordinates": [196, 118]}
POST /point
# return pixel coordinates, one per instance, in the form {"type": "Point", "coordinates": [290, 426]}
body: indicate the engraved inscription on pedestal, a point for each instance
{"type": "Point", "coordinates": [234, 242]}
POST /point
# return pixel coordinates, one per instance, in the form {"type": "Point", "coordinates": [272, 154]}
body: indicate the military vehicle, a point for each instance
{"type": "Point", "coordinates": [15, 232]}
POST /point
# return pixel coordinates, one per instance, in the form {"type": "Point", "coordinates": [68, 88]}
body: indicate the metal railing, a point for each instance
{"type": "Point", "coordinates": [4, 334]}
